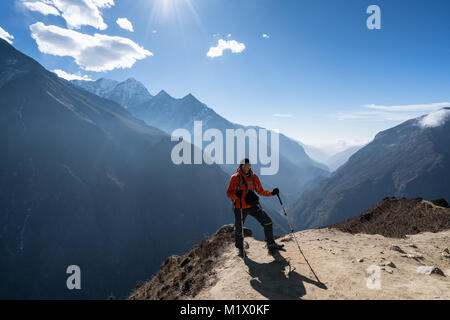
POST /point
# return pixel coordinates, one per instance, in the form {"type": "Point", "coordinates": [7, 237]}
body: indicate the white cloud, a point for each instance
{"type": "Point", "coordinates": [154, 31]}
{"type": "Point", "coordinates": [222, 45]}
{"type": "Point", "coordinates": [411, 107]}
{"type": "Point", "coordinates": [265, 36]}
{"type": "Point", "coordinates": [68, 76]}
{"type": "Point", "coordinates": [6, 36]}
{"type": "Point", "coordinates": [78, 13]}
{"type": "Point", "coordinates": [435, 119]}
{"type": "Point", "coordinates": [92, 53]}
{"type": "Point", "coordinates": [229, 35]}
{"type": "Point", "coordinates": [282, 115]}
{"type": "Point", "coordinates": [44, 8]}
{"type": "Point", "coordinates": [391, 113]}
{"type": "Point", "coordinates": [376, 116]}
{"type": "Point", "coordinates": [124, 23]}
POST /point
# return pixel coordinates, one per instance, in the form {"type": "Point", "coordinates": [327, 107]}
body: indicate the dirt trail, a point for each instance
{"type": "Point", "coordinates": [340, 261]}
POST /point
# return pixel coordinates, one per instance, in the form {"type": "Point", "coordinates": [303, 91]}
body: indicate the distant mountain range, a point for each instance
{"type": "Point", "coordinates": [83, 182]}
{"type": "Point", "coordinates": [333, 160]}
{"type": "Point", "coordinates": [127, 93]}
{"type": "Point", "coordinates": [297, 170]}
{"type": "Point", "coordinates": [410, 160]}
{"type": "Point", "coordinates": [338, 159]}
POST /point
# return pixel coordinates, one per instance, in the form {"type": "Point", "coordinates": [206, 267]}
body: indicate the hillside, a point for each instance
{"type": "Point", "coordinates": [84, 182]}
{"type": "Point", "coordinates": [341, 264]}
{"type": "Point", "coordinates": [409, 160]}
{"type": "Point", "coordinates": [397, 218]}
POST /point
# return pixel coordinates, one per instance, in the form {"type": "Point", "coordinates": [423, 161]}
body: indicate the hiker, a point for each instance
{"type": "Point", "coordinates": [241, 190]}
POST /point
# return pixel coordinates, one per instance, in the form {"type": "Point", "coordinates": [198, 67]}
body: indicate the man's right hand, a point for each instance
{"type": "Point", "coordinates": [238, 193]}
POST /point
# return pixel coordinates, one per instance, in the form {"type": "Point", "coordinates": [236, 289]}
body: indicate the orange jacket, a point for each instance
{"type": "Point", "coordinates": [234, 182]}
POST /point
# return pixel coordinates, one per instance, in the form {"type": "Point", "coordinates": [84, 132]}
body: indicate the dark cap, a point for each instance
{"type": "Point", "coordinates": [244, 161]}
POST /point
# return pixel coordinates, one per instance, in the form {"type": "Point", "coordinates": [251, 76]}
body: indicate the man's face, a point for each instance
{"type": "Point", "coordinates": [246, 168]}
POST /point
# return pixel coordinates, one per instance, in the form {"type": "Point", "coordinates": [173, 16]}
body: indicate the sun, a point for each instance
{"type": "Point", "coordinates": [176, 11]}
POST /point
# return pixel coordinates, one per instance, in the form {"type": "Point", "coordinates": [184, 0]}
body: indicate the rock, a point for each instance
{"type": "Point", "coordinates": [441, 202]}
{"type": "Point", "coordinates": [387, 270]}
{"type": "Point", "coordinates": [413, 256]}
{"type": "Point", "coordinates": [396, 248]}
{"type": "Point", "coordinates": [184, 262]}
{"type": "Point", "coordinates": [429, 270]}
{"type": "Point", "coordinates": [229, 228]}
{"type": "Point", "coordinates": [388, 264]}
{"type": "Point", "coordinates": [412, 245]}
{"type": "Point", "coordinates": [391, 264]}
{"type": "Point", "coordinates": [361, 260]}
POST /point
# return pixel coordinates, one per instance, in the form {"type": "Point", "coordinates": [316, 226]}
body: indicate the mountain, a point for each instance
{"type": "Point", "coordinates": [297, 171]}
{"type": "Point", "coordinates": [127, 93]}
{"type": "Point", "coordinates": [338, 159]}
{"type": "Point", "coordinates": [83, 182]}
{"type": "Point", "coordinates": [339, 263]}
{"type": "Point", "coordinates": [409, 160]}
{"type": "Point", "coordinates": [315, 153]}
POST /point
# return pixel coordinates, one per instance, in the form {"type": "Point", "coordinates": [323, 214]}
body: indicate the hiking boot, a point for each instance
{"type": "Point", "coordinates": [274, 246]}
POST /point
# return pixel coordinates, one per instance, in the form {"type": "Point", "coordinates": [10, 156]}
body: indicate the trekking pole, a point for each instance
{"type": "Point", "coordinates": [242, 229]}
{"type": "Point", "coordinates": [292, 234]}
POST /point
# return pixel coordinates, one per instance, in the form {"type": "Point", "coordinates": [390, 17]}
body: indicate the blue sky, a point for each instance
{"type": "Point", "coordinates": [319, 76]}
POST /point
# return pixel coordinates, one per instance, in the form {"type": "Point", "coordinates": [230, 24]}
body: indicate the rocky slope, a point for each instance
{"type": "Point", "coordinates": [397, 218]}
{"type": "Point", "coordinates": [344, 265]}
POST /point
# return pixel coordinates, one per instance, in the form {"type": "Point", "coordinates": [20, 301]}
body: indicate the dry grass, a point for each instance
{"type": "Point", "coordinates": [397, 218]}
{"type": "Point", "coordinates": [182, 277]}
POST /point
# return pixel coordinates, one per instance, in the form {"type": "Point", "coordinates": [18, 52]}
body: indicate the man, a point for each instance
{"type": "Point", "coordinates": [241, 190]}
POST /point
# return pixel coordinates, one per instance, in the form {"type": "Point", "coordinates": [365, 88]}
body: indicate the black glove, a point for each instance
{"type": "Point", "coordinates": [238, 193]}
{"type": "Point", "coordinates": [275, 192]}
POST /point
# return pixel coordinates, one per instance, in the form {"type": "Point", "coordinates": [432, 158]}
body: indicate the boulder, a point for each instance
{"type": "Point", "coordinates": [429, 270]}
{"type": "Point", "coordinates": [229, 228]}
{"type": "Point", "coordinates": [396, 248]}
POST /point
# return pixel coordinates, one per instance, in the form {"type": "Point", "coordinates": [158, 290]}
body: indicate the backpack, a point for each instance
{"type": "Point", "coordinates": [250, 198]}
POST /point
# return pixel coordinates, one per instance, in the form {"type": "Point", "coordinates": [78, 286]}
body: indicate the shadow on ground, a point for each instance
{"type": "Point", "coordinates": [277, 280]}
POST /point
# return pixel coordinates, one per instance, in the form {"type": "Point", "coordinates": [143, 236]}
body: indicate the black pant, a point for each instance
{"type": "Point", "coordinates": [259, 215]}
